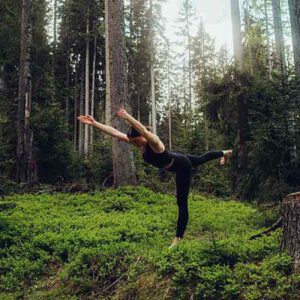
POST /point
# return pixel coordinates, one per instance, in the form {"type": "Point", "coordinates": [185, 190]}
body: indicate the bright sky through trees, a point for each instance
{"type": "Point", "coordinates": [215, 15]}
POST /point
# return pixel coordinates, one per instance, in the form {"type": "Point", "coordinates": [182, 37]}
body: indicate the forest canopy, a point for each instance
{"type": "Point", "coordinates": [195, 96]}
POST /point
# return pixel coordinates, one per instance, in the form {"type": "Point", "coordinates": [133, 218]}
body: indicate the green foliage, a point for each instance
{"type": "Point", "coordinates": [54, 150]}
{"type": "Point", "coordinates": [8, 186]}
{"type": "Point", "coordinates": [116, 243]}
{"type": "Point", "coordinates": [98, 267]}
{"type": "Point", "coordinates": [256, 114]}
{"type": "Point", "coordinates": [271, 279]}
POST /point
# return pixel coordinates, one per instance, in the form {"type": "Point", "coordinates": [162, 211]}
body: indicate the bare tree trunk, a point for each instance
{"type": "Point", "coordinates": [108, 60]}
{"type": "Point", "coordinates": [131, 55]}
{"type": "Point", "coordinates": [189, 60]}
{"type": "Point", "coordinates": [26, 165]}
{"type": "Point", "coordinates": [248, 32]}
{"type": "Point", "coordinates": [279, 41]}
{"type": "Point", "coordinates": [169, 98]}
{"type": "Point", "coordinates": [291, 228]}
{"type": "Point", "coordinates": [204, 120]}
{"type": "Point", "coordinates": [294, 7]}
{"type": "Point", "coordinates": [123, 164]}
{"type": "Point", "coordinates": [2, 84]}
{"type": "Point", "coordinates": [67, 86]}
{"type": "Point", "coordinates": [269, 60]}
{"type": "Point", "coordinates": [54, 46]}
{"type": "Point", "coordinates": [93, 85]}
{"type": "Point", "coordinates": [75, 109]}
{"type": "Point", "coordinates": [81, 109]}
{"type": "Point", "coordinates": [87, 88]}
{"type": "Point", "coordinates": [236, 33]}
{"type": "Point", "coordinates": [153, 104]}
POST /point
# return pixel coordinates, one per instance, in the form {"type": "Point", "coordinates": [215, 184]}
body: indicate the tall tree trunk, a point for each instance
{"type": "Point", "coordinates": [26, 165]}
{"type": "Point", "coordinates": [294, 6]}
{"type": "Point", "coordinates": [93, 84]}
{"type": "Point", "coordinates": [236, 33]}
{"type": "Point", "coordinates": [67, 86]}
{"type": "Point", "coordinates": [81, 109]}
{"type": "Point", "coordinates": [108, 60]}
{"type": "Point", "coordinates": [189, 60]}
{"type": "Point", "coordinates": [248, 30]}
{"type": "Point", "coordinates": [2, 87]}
{"type": "Point", "coordinates": [153, 104]}
{"type": "Point", "coordinates": [279, 41]}
{"type": "Point", "coordinates": [75, 139]}
{"type": "Point", "coordinates": [131, 53]}
{"type": "Point", "coordinates": [54, 45]}
{"type": "Point", "coordinates": [169, 98]}
{"type": "Point", "coordinates": [87, 87]}
{"type": "Point", "coordinates": [123, 165]}
{"type": "Point", "coordinates": [269, 60]}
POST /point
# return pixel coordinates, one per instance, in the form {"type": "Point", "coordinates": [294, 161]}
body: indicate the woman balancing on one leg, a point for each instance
{"type": "Point", "coordinates": [155, 153]}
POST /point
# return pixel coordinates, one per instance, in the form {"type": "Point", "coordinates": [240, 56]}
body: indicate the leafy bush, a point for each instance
{"type": "Point", "coordinates": [116, 242]}
{"type": "Point", "coordinates": [97, 268]}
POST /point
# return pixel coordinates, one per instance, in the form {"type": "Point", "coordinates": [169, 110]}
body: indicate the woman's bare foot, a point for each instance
{"type": "Point", "coordinates": [175, 242]}
{"type": "Point", "coordinates": [227, 154]}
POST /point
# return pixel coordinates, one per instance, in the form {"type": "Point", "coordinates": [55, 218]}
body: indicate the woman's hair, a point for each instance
{"type": "Point", "coordinates": [133, 133]}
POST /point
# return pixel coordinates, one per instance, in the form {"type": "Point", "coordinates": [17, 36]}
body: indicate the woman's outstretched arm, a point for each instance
{"type": "Point", "coordinates": [89, 120]}
{"type": "Point", "coordinates": [152, 138]}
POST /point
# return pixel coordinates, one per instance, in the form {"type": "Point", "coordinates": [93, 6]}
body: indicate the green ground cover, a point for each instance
{"type": "Point", "coordinates": [114, 245]}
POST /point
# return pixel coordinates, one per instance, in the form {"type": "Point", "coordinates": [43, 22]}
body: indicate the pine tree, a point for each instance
{"type": "Point", "coordinates": [117, 89]}
{"type": "Point", "coordinates": [26, 165]}
{"type": "Point", "coordinates": [236, 32]}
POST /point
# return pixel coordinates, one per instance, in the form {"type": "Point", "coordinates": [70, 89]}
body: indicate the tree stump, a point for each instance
{"type": "Point", "coordinates": [291, 227]}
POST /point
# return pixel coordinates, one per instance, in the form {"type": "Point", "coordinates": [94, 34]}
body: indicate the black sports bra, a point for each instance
{"type": "Point", "coordinates": [159, 160]}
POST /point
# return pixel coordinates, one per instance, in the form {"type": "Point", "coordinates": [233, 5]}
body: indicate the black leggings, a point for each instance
{"type": "Point", "coordinates": [182, 166]}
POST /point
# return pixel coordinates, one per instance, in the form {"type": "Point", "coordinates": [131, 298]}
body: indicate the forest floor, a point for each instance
{"type": "Point", "coordinates": [114, 245]}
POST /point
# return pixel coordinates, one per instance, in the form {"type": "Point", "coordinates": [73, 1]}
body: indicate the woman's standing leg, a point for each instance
{"type": "Point", "coordinates": [183, 181]}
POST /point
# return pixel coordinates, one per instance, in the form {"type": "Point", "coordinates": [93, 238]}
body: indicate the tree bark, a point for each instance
{"type": "Point", "coordinates": [153, 104]}
{"type": "Point", "coordinates": [75, 121]}
{"type": "Point", "coordinates": [269, 60]}
{"type": "Point", "coordinates": [54, 45]}
{"type": "Point", "coordinates": [87, 88]}
{"type": "Point", "coordinates": [279, 41]}
{"type": "Point", "coordinates": [67, 86]}
{"type": "Point", "coordinates": [236, 33]}
{"type": "Point", "coordinates": [123, 164]}
{"type": "Point", "coordinates": [26, 165]}
{"type": "Point", "coordinates": [169, 98]}
{"type": "Point", "coordinates": [294, 7]}
{"type": "Point", "coordinates": [81, 109]}
{"type": "Point", "coordinates": [93, 85]}
{"type": "Point", "coordinates": [107, 66]}
{"type": "Point", "coordinates": [291, 227]}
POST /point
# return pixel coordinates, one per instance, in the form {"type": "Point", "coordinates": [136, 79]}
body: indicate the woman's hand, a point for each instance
{"type": "Point", "coordinates": [122, 113]}
{"type": "Point", "coordinates": [87, 119]}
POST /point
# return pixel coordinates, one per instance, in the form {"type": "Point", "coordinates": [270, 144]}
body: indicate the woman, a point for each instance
{"type": "Point", "coordinates": [154, 152]}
